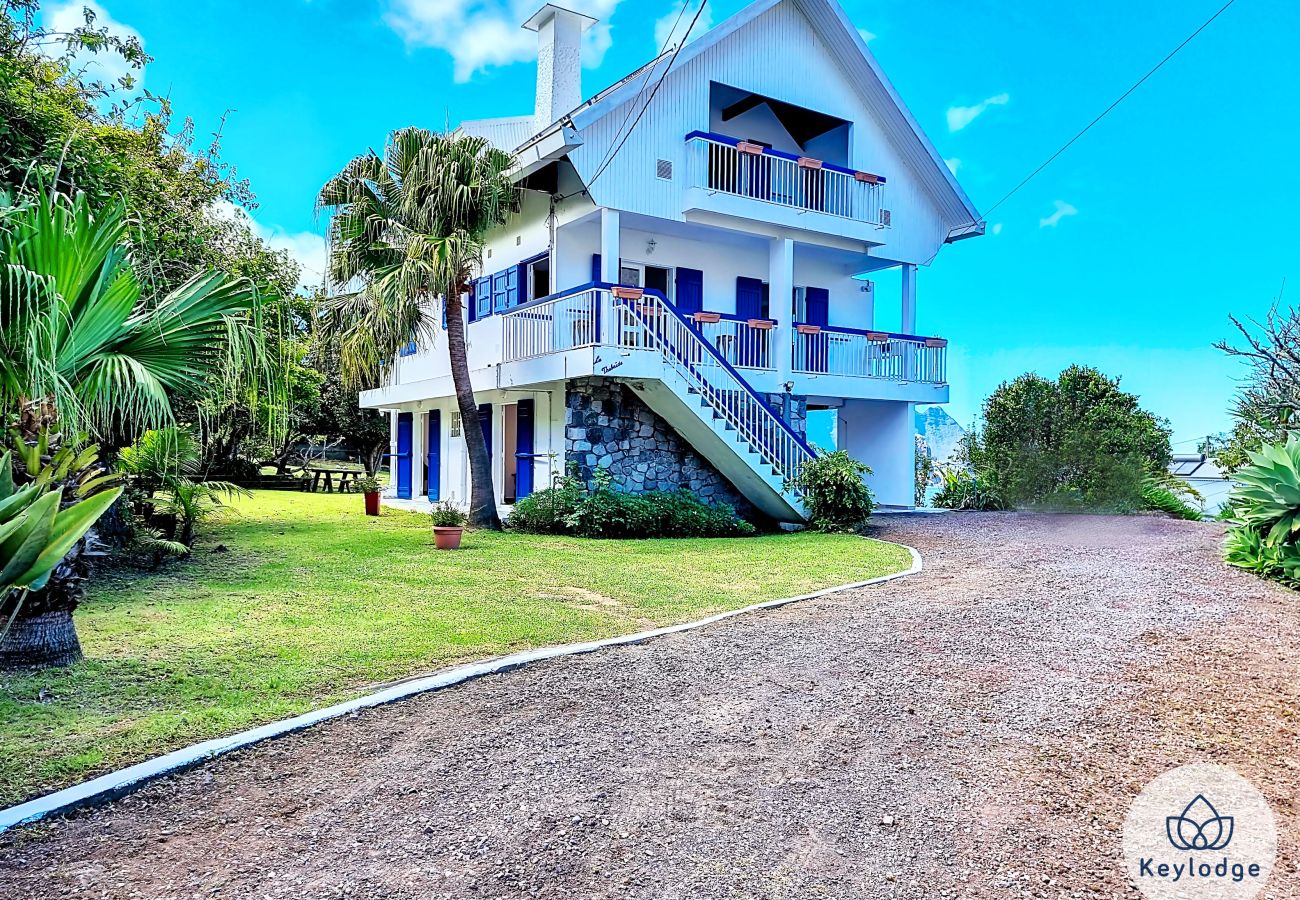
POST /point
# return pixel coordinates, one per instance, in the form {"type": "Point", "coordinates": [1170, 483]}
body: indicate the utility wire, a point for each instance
{"type": "Point", "coordinates": [610, 158]}
{"type": "Point", "coordinates": [604, 160]}
{"type": "Point", "coordinates": [1106, 111]}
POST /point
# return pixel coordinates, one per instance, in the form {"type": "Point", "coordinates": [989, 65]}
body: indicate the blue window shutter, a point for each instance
{"type": "Point", "coordinates": [512, 286]}
{"type": "Point", "coordinates": [403, 461]}
{"type": "Point", "coordinates": [595, 267]}
{"type": "Point", "coordinates": [690, 290]}
{"type": "Point", "coordinates": [524, 449]}
{"type": "Point", "coordinates": [433, 457]}
{"type": "Point", "coordinates": [499, 296]}
{"type": "Point", "coordinates": [483, 297]}
{"type": "Point", "coordinates": [485, 418]}
{"type": "Point", "coordinates": [817, 303]}
{"type": "Point", "coordinates": [749, 297]}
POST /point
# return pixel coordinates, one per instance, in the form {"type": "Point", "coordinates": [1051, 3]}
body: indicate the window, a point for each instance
{"type": "Point", "coordinates": [652, 278]}
{"type": "Point", "coordinates": [539, 277]}
{"type": "Point", "coordinates": [800, 304]}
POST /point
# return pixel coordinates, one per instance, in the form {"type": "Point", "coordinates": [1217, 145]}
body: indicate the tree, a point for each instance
{"type": "Point", "coordinates": [407, 228]}
{"type": "Point", "coordinates": [1078, 441]}
{"type": "Point", "coordinates": [79, 346]}
{"type": "Point", "coordinates": [1268, 404]}
{"type": "Point", "coordinates": [339, 415]}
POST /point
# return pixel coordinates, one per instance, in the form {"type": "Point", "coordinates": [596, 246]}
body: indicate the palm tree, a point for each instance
{"type": "Point", "coordinates": [76, 339]}
{"type": "Point", "coordinates": [80, 348]}
{"type": "Point", "coordinates": [405, 229]}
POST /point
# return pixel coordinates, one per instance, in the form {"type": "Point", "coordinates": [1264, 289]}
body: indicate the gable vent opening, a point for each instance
{"type": "Point", "coordinates": [664, 169]}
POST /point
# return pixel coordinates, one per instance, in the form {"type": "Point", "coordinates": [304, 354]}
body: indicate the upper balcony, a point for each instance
{"type": "Point", "coordinates": [747, 180]}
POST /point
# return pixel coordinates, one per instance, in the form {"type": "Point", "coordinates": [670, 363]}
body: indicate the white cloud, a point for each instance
{"type": "Point", "coordinates": [105, 66]}
{"type": "Point", "coordinates": [953, 164]}
{"type": "Point", "coordinates": [1063, 209]}
{"type": "Point", "coordinates": [306, 248]}
{"type": "Point", "coordinates": [867, 36]}
{"type": "Point", "coordinates": [481, 34]}
{"type": "Point", "coordinates": [961, 116]}
{"type": "Point", "coordinates": [997, 228]}
{"type": "Point", "coordinates": [671, 27]}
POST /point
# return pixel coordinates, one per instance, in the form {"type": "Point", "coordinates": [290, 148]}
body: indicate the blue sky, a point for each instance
{"type": "Point", "coordinates": [1128, 253]}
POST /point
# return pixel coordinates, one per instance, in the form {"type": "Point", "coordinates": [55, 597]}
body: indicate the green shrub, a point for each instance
{"type": "Point", "coordinates": [1160, 496]}
{"type": "Point", "coordinates": [963, 489]}
{"type": "Point", "coordinates": [1078, 442]}
{"type": "Point", "coordinates": [833, 492]}
{"type": "Point", "coordinates": [1266, 512]}
{"type": "Point", "coordinates": [604, 512]}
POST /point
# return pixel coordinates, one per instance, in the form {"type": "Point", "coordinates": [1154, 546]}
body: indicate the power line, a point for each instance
{"type": "Point", "coordinates": [1107, 110]}
{"type": "Point", "coordinates": [650, 99]}
{"type": "Point", "coordinates": [604, 160]}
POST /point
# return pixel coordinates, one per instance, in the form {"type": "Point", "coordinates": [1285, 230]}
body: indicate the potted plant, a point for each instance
{"type": "Point", "coordinates": [448, 526]}
{"type": "Point", "coordinates": [371, 487]}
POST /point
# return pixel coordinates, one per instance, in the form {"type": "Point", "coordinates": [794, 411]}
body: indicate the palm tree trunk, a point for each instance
{"type": "Point", "coordinates": [482, 501]}
{"type": "Point", "coordinates": [43, 634]}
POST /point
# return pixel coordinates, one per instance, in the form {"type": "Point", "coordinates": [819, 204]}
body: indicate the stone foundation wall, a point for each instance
{"type": "Point", "coordinates": [608, 427]}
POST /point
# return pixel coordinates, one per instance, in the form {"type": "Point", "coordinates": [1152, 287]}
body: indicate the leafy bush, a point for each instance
{"type": "Point", "coordinates": [1162, 496]}
{"type": "Point", "coordinates": [368, 485]}
{"type": "Point", "coordinates": [963, 489]}
{"type": "Point", "coordinates": [1076, 442]}
{"type": "Point", "coordinates": [833, 492]}
{"type": "Point", "coordinates": [603, 512]}
{"type": "Point", "coordinates": [1266, 512]}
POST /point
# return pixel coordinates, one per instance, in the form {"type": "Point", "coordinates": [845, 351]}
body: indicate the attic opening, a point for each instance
{"type": "Point", "coordinates": [777, 124]}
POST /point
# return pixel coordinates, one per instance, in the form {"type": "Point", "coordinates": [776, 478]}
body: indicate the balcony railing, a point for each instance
{"type": "Point", "coordinates": [726, 165]}
{"type": "Point", "coordinates": [742, 344]}
{"type": "Point", "coordinates": [870, 354]}
{"type": "Point", "coordinates": [588, 316]}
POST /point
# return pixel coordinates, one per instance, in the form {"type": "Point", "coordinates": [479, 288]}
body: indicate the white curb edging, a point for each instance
{"type": "Point", "coordinates": [116, 784]}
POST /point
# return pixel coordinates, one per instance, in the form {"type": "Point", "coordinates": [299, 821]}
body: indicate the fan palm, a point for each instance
{"type": "Point", "coordinates": [76, 336]}
{"type": "Point", "coordinates": [407, 228]}
{"type": "Point", "coordinates": [80, 347]}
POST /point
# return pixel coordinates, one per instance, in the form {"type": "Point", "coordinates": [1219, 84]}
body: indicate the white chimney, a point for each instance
{"type": "Point", "coordinates": [559, 61]}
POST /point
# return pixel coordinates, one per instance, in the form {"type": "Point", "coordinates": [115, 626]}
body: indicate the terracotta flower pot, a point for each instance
{"type": "Point", "coordinates": [372, 503]}
{"type": "Point", "coordinates": [447, 537]}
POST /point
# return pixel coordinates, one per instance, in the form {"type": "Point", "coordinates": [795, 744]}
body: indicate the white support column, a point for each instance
{"type": "Point", "coordinates": [780, 280]}
{"type": "Point", "coordinates": [609, 249]}
{"type": "Point", "coordinates": [909, 318]}
{"type": "Point", "coordinates": [419, 433]}
{"type": "Point", "coordinates": [609, 264]}
{"type": "Point", "coordinates": [909, 298]}
{"type": "Point", "coordinates": [392, 454]}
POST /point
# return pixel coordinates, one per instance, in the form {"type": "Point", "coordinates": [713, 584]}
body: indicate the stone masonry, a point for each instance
{"type": "Point", "coordinates": [608, 427]}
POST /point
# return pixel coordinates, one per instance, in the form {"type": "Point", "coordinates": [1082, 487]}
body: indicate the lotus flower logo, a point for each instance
{"type": "Point", "coordinates": [1200, 827]}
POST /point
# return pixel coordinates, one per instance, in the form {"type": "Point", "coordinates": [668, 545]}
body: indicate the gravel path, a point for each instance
{"type": "Point", "coordinates": [974, 731]}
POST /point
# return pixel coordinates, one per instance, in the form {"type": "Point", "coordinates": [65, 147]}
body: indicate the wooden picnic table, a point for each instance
{"type": "Point", "coordinates": [347, 478]}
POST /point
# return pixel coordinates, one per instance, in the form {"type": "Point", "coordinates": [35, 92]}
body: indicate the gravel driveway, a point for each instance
{"type": "Point", "coordinates": [974, 731]}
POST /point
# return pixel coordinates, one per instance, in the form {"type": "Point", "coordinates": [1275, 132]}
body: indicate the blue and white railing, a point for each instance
{"type": "Point", "coordinates": [651, 321]}
{"type": "Point", "coordinates": [592, 314]}
{"type": "Point", "coordinates": [870, 354]}
{"type": "Point", "coordinates": [743, 343]}
{"type": "Point", "coordinates": [726, 165]}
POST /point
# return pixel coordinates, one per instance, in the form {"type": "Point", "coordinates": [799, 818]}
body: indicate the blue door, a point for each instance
{"type": "Point", "coordinates": [433, 457]}
{"type": "Point", "coordinates": [749, 305]}
{"type": "Point", "coordinates": [689, 295]}
{"type": "Point", "coordinates": [817, 303]}
{"type": "Point", "coordinates": [524, 449]}
{"type": "Point", "coordinates": [405, 422]}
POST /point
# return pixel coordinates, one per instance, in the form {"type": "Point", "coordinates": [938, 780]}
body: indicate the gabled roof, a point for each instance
{"type": "Point", "coordinates": [842, 39]}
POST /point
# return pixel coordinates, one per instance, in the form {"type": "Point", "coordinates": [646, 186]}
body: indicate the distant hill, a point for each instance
{"type": "Point", "coordinates": [941, 432]}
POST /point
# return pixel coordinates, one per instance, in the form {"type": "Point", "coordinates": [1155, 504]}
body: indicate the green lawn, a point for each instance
{"type": "Point", "coordinates": [313, 602]}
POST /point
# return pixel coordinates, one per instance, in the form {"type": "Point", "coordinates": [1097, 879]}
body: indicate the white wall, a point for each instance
{"type": "Point", "coordinates": [880, 434]}
{"type": "Point", "coordinates": [778, 55]}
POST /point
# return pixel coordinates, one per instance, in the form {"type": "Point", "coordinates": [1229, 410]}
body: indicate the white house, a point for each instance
{"type": "Point", "coordinates": [675, 297]}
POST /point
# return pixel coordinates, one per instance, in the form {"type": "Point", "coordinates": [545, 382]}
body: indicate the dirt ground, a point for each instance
{"type": "Point", "coordinates": [975, 731]}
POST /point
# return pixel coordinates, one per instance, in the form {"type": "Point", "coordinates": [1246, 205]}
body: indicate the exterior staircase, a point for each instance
{"type": "Point", "coordinates": [712, 405]}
